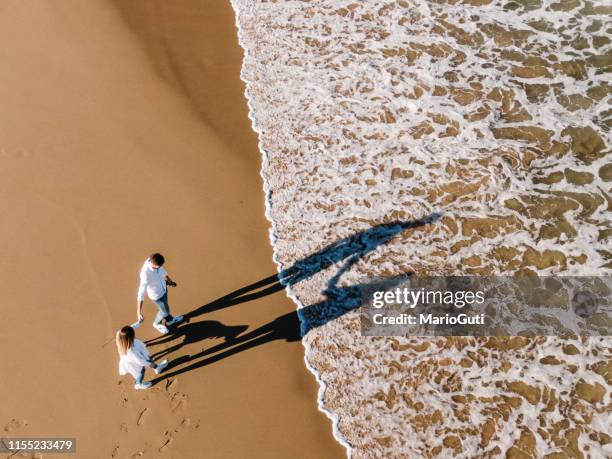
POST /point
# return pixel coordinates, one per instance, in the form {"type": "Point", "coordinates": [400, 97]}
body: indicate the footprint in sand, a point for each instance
{"type": "Point", "coordinates": [115, 451]}
{"type": "Point", "coordinates": [181, 404]}
{"type": "Point", "coordinates": [123, 427]}
{"type": "Point", "coordinates": [166, 444]}
{"type": "Point", "coordinates": [171, 385]}
{"type": "Point", "coordinates": [185, 422]}
{"type": "Point", "coordinates": [178, 396]}
{"type": "Point", "coordinates": [137, 454]}
{"type": "Point", "coordinates": [141, 417]}
{"type": "Point", "coordinates": [15, 424]}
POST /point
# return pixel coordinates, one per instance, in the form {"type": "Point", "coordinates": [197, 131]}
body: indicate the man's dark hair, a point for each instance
{"type": "Point", "coordinates": [157, 259]}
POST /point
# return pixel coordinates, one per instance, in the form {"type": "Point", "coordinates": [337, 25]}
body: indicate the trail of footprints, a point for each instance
{"type": "Point", "coordinates": [177, 404]}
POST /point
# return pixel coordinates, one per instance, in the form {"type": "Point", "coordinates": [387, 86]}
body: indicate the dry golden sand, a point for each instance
{"type": "Point", "coordinates": [124, 132]}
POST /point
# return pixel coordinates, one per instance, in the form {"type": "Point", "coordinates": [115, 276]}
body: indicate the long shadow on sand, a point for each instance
{"type": "Point", "coordinates": [293, 325]}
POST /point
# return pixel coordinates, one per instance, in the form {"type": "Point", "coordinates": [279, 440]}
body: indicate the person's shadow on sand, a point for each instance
{"type": "Point", "coordinates": [195, 332]}
{"type": "Point", "coordinates": [293, 325]}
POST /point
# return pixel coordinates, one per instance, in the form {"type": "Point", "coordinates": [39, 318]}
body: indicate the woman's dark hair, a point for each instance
{"type": "Point", "coordinates": [157, 259]}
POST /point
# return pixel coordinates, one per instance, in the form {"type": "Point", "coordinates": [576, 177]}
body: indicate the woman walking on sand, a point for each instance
{"type": "Point", "coordinates": [134, 357]}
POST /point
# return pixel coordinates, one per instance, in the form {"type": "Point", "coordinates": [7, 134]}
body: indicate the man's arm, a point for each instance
{"type": "Point", "coordinates": [140, 296]}
{"type": "Point", "coordinates": [167, 278]}
{"type": "Point", "coordinates": [139, 311]}
{"type": "Point", "coordinates": [169, 281]}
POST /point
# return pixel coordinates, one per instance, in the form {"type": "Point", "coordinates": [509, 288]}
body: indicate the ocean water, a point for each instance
{"type": "Point", "coordinates": [438, 137]}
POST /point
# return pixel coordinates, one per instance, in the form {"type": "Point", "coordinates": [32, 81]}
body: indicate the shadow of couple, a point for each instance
{"type": "Point", "coordinates": [293, 325]}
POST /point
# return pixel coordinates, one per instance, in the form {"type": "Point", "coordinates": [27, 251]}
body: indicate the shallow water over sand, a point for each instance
{"type": "Point", "coordinates": [494, 114]}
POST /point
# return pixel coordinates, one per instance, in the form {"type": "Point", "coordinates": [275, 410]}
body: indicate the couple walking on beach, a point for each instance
{"type": "Point", "coordinates": [133, 354]}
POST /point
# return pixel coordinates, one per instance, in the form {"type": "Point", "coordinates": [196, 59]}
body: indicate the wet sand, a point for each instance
{"type": "Point", "coordinates": [125, 131]}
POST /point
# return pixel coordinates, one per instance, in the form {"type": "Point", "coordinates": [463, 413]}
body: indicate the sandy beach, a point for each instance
{"type": "Point", "coordinates": [402, 140]}
{"type": "Point", "coordinates": [124, 131]}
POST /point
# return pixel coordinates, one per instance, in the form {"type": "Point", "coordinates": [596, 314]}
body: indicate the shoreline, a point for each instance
{"type": "Point", "coordinates": [321, 385]}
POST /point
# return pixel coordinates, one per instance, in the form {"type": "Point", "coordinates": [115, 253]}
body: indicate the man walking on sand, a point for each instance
{"type": "Point", "coordinates": [155, 281]}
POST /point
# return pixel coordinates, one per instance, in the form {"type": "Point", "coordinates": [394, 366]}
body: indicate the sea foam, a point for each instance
{"type": "Point", "coordinates": [492, 115]}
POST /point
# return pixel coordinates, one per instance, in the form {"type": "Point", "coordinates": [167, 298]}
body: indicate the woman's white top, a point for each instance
{"type": "Point", "coordinates": [135, 358]}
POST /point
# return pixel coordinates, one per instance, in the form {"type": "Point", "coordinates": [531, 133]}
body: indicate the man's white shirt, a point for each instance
{"type": "Point", "coordinates": [152, 281]}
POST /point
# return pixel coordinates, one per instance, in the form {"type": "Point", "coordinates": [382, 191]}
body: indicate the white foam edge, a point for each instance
{"type": "Point", "coordinates": [271, 232]}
